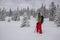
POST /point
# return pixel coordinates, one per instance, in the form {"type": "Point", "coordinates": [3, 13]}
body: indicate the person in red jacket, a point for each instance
{"type": "Point", "coordinates": [39, 24]}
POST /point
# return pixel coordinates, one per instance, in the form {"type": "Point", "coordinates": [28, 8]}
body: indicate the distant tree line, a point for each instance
{"type": "Point", "coordinates": [47, 13]}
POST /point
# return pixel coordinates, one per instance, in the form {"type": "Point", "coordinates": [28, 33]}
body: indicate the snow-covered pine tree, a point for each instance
{"type": "Point", "coordinates": [34, 14]}
{"type": "Point", "coordinates": [57, 16]}
{"type": "Point", "coordinates": [3, 14]}
{"type": "Point", "coordinates": [46, 14]}
{"type": "Point", "coordinates": [16, 16]}
{"type": "Point", "coordinates": [25, 22]}
{"type": "Point", "coordinates": [28, 12]}
{"type": "Point", "coordinates": [52, 9]}
{"type": "Point", "coordinates": [0, 15]}
{"type": "Point", "coordinates": [10, 15]}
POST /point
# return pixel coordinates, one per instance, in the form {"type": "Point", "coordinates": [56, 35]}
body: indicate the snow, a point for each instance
{"type": "Point", "coordinates": [13, 31]}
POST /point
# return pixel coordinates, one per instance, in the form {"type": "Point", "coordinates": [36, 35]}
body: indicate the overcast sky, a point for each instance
{"type": "Point", "coordinates": [24, 3]}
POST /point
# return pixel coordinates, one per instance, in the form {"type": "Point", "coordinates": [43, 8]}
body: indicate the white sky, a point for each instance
{"type": "Point", "coordinates": [24, 3]}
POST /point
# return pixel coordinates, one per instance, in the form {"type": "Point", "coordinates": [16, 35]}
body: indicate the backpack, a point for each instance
{"type": "Point", "coordinates": [42, 20]}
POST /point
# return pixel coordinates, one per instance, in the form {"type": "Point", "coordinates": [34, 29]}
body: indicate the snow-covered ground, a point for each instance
{"type": "Point", "coordinates": [13, 31]}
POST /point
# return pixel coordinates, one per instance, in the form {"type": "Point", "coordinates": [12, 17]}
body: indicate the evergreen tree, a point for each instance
{"type": "Point", "coordinates": [17, 15]}
{"type": "Point", "coordinates": [28, 12]}
{"type": "Point", "coordinates": [34, 14]}
{"type": "Point", "coordinates": [3, 14]}
{"type": "Point", "coordinates": [0, 15]}
{"type": "Point", "coordinates": [21, 12]}
{"type": "Point", "coordinates": [31, 12]}
{"type": "Point", "coordinates": [25, 22]}
{"type": "Point", "coordinates": [57, 16]}
{"type": "Point", "coordinates": [52, 11]}
{"type": "Point", "coordinates": [10, 15]}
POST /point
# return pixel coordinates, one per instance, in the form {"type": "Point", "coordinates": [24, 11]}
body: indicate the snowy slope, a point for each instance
{"type": "Point", "coordinates": [13, 31]}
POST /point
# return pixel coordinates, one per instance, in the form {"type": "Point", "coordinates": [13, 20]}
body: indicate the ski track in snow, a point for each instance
{"type": "Point", "coordinates": [13, 31]}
